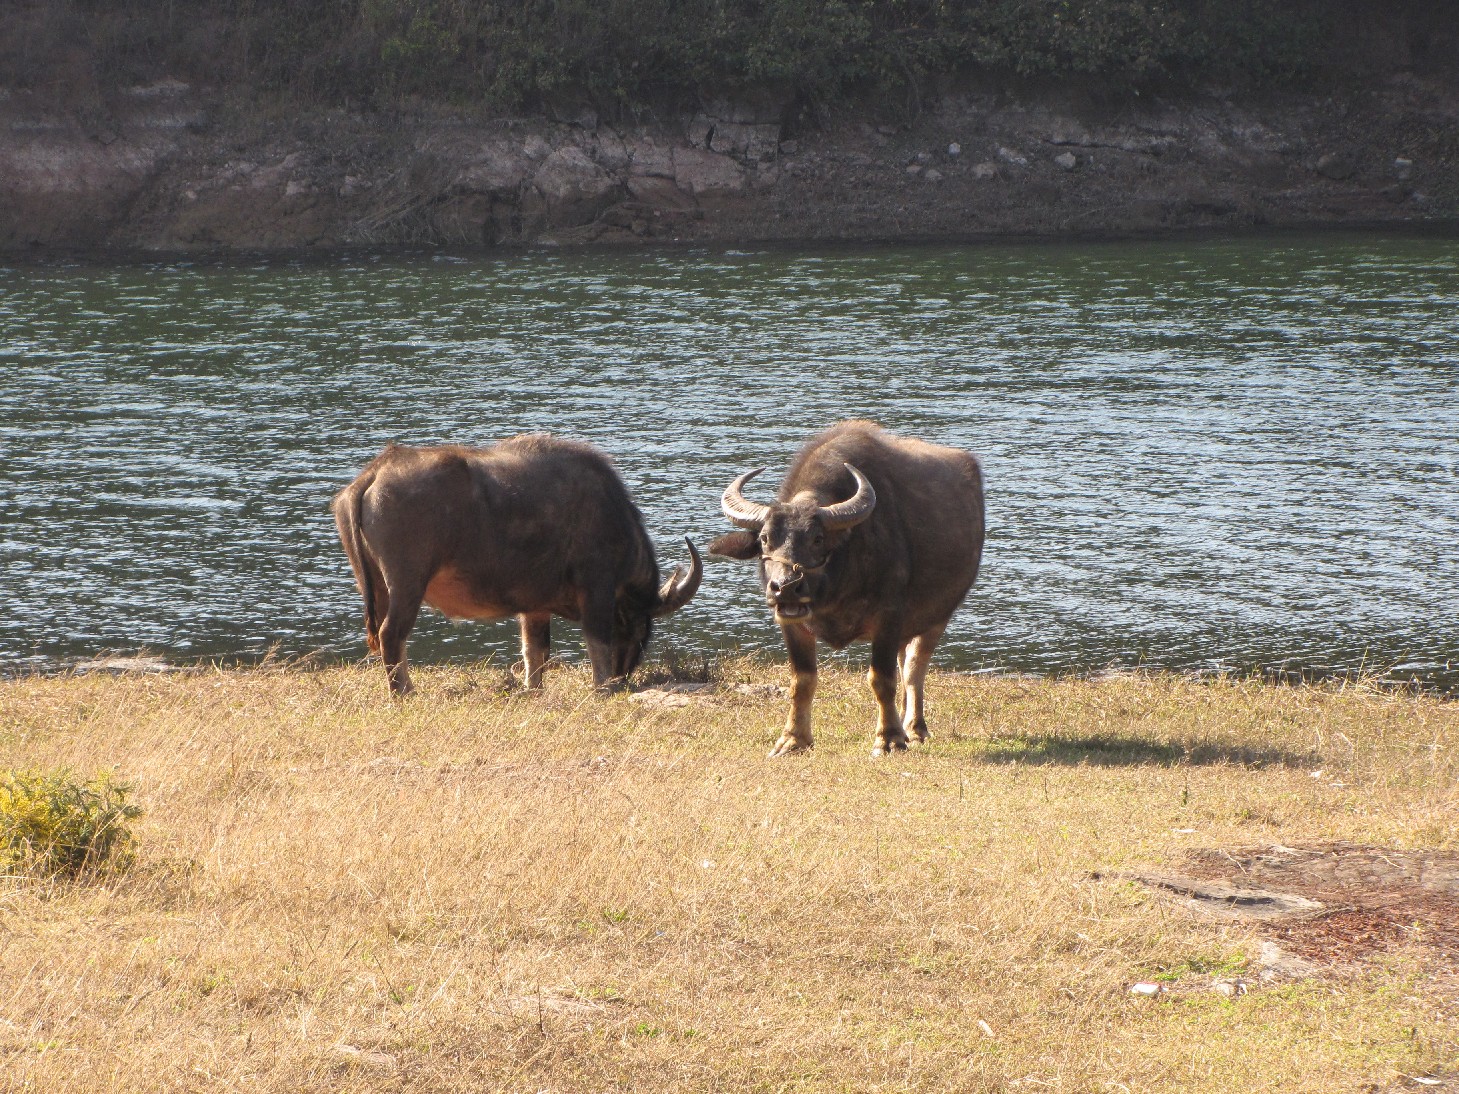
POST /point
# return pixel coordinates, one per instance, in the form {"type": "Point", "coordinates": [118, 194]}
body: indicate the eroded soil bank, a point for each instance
{"type": "Point", "coordinates": [173, 166]}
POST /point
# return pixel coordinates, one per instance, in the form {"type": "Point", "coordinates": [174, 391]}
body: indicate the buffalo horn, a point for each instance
{"type": "Point", "coordinates": [854, 509]}
{"type": "Point", "coordinates": [746, 514]}
{"type": "Point", "coordinates": [681, 584]}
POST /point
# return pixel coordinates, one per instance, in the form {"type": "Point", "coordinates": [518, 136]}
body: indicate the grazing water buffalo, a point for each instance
{"type": "Point", "coordinates": [871, 537]}
{"type": "Point", "coordinates": [533, 527]}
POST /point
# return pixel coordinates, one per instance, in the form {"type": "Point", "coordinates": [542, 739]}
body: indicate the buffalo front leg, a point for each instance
{"type": "Point", "coordinates": [882, 676]}
{"type": "Point", "coordinates": [915, 660]}
{"type": "Point", "coordinates": [800, 643]}
{"type": "Point", "coordinates": [536, 645]}
{"type": "Point", "coordinates": [597, 614]}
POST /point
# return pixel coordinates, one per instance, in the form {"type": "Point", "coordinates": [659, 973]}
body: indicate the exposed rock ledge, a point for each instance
{"type": "Point", "coordinates": [165, 168]}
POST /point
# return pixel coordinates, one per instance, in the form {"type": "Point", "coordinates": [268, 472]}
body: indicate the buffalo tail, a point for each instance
{"type": "Point", "coordinates": [353, 514]}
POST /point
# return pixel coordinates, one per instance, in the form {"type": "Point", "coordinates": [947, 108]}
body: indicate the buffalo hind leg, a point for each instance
{"type": "Point", "coordinates": [800, 643]}
{"type": "Point", "coordinates": [536, 645]}
{"type": "Point", "coordinates": [395, 628]}
{"type": "Point", "coordinates": [882, 676]}
{"type": "Point", "coordinates": [915, 660]}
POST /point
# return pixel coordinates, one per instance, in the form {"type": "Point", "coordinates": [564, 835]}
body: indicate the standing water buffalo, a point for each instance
{"type": "Point", "coordinates": [871, 537]}
{"type": "Point", "coordinates": [533, 527]}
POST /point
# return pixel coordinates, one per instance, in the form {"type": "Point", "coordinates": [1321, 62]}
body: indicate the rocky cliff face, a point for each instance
{"type": "Point", "coordinates": [166, 167]}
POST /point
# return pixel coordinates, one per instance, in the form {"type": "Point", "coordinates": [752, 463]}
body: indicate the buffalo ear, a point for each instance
{"type": "Point", "coordinates": [742, 545]}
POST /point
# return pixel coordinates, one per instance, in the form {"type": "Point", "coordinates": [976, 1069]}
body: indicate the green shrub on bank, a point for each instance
{"type": "Point", "coordinates": [622, 52]}
{"type": "Point", "coordinates": [1135, 40]}
{"type": "Point", "coordinates": [54, 824]}
{"type": "Point", "coordinates": [626, 54]}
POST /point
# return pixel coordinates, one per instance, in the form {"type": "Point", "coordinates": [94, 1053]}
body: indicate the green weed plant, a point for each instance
{"type": "Point", "coordinates": [55, 824]}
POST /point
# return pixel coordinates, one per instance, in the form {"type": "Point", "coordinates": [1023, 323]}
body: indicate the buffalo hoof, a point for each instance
{"type": "Point", "coordinates": [615, 686]}
{"type": "Point", "coordinates": [786, 745]}
{"type": "Point", "coordinates": [917, 734]}
{"type": "Point", "coordinates": [893, 744]}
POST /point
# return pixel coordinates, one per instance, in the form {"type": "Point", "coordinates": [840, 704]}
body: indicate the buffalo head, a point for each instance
{"type": "Point", "coordinates": [634, 617]}
{"type": "Point", "coordinates": [793, 539]}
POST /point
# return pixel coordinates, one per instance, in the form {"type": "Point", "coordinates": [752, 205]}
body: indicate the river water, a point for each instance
{"type": "Point", "coordinates": [1209, 456]}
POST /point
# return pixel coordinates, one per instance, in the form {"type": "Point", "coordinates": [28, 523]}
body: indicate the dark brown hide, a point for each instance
{"type": "Point", "coordinates": [893, 577]}
{"type": "Point", "coordinates": [533, 527]}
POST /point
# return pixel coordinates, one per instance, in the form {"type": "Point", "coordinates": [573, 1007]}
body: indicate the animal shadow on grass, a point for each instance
{"type": "Point", "coordinates": [1107, 750]}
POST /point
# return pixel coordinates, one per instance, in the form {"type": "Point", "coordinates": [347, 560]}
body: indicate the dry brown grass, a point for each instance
{"type": "Point", "coordinates": [484, 890]}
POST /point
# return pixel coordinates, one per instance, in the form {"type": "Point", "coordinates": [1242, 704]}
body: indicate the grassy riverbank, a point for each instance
{"type": "Point", "coordinates": [484, 890]}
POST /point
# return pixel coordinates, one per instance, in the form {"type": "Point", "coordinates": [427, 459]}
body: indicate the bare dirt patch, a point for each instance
{"type": "Point", "coordinates": [1375, 897]}
{"type": "Point", "coordinates": [1330, 903]}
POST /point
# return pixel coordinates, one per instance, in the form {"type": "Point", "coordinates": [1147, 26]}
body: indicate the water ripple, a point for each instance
{"type": "Point", "coordinates": [1213, 455]}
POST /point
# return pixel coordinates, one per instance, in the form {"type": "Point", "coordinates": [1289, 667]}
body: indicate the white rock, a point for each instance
{"type": "Point", "coordinates": [138, 663]}
{"type": "Point", "coordinates": [702, 172]}
{"type": "Point", "coordinates": [659, 700]}
{"type": "Point", "coordinates": [700, 127]}
{"type": "Point", "coordinates": [1276, 963]}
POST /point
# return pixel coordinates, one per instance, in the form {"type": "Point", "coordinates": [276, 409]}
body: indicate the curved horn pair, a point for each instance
{"type": "Point", "coordinates": [843, 514]}
{"type": "Point", "coordinates": [745, 514]}
{"type": "Point", "coordinates": [854, 509]}
{"type": "Point", "coordinates": [681, 584]}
